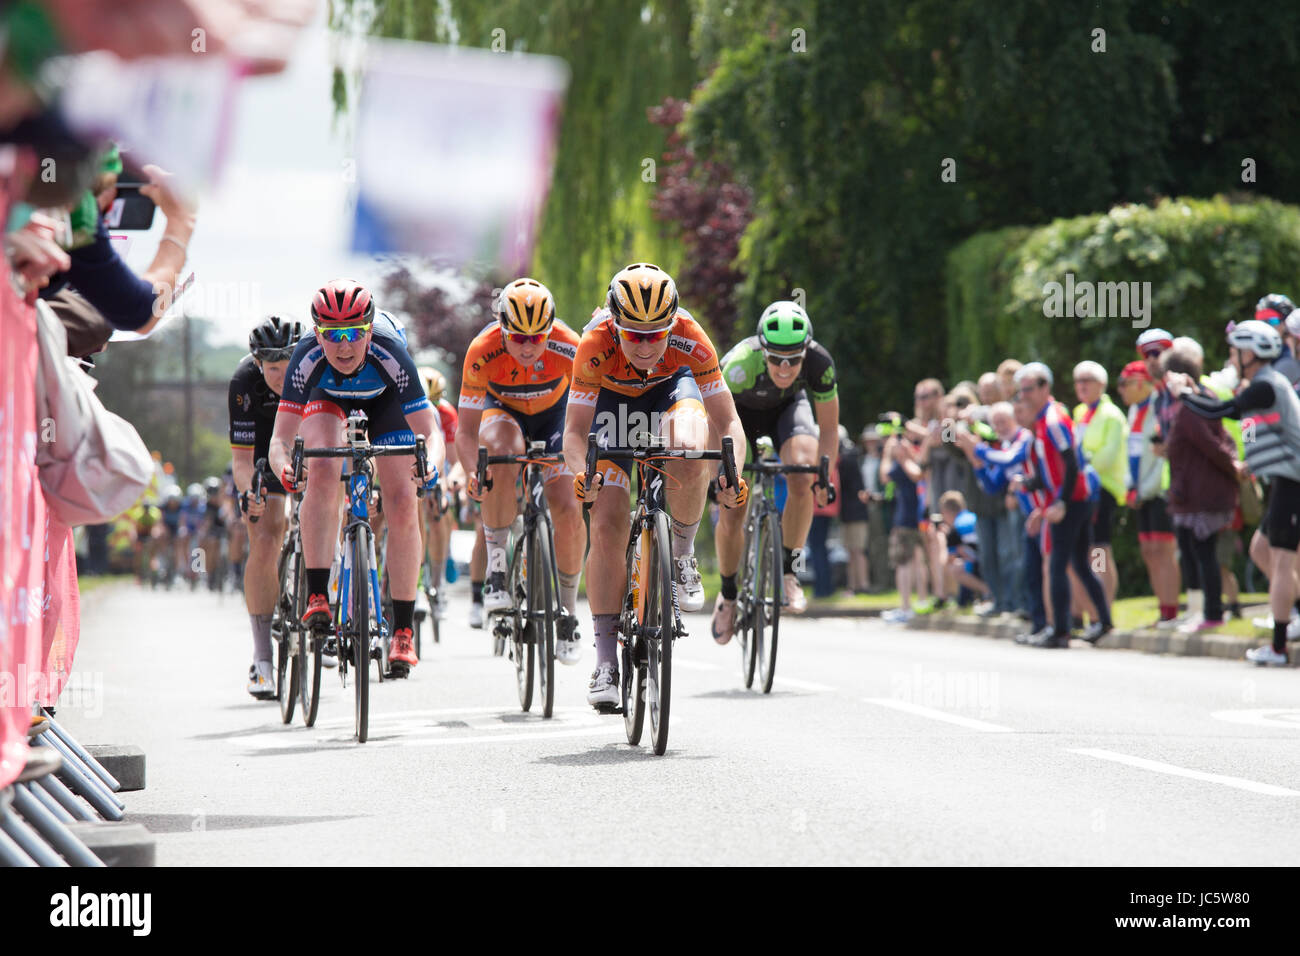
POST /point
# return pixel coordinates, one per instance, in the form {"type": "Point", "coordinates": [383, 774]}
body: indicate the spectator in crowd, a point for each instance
{"type": "Point", "coordinates": [1203, 481]}
{"type": "Point", "coordinates": [819, 531]}
{"type": "Point", "coordinates": [1058, 483]}
{"type": "Point", "coordinates": [1276, 309]}
{"type": "Point", "coordinates": [874, 494]}
{"type": "Point", "coordinates": [963, 564]}
{"type": "Point", "coordinates": [1007, 370]}
{"type": "Point", "coordinates": [989, 389]}
{"type": "Point", "coordinates": [946, 470]}
{"type": "Point", "coordinates": [1102, 429]}
{"type": "Point", "coordinates": [853, 513]}
{"type": "Point", "coordinates": [1000, 522]}
{"type": "Point", "coordinates": [1273, 454]}
{"type": "Point", "coordinates": [103, 279]}
{"type": "Point", "coordinates": [899, 465]}
{"type": "Point", "coordinates": [1147, 481]}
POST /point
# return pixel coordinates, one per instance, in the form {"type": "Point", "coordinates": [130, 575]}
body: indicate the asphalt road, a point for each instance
{"type": "Point", "coordinates": [877, 746]}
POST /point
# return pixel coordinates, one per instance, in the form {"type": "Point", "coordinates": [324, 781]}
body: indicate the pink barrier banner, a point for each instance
{"type": "Point", "coordinates": [61, 609]}
{"type": "Point", "coordinates": [22, 531]}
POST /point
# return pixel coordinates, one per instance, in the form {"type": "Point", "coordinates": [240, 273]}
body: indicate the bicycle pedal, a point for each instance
{"type": "Point", "coordinates": [609, 710]}
{"type": "Point", "coordinates": [398, 670]}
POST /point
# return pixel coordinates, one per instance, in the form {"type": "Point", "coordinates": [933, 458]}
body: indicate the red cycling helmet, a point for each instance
{"type": "Point", "coordinates": [342, 301]}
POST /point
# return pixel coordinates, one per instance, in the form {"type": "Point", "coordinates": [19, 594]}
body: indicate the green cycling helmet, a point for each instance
{"type": "Point", "coordinates": [784, 327]}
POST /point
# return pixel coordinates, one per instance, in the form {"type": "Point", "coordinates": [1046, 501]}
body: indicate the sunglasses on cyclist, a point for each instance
{"type": "Point", "coordinates": [274, 355]}
{"type": "Point", "coordinates": [1152, 353]}
{"type": "Point", "coordinates": [343, 333]}
{"type": "Point", "coordinates": [783, 359]}
{"type": "Point", "coordinates": [634, 337]}
{"type": "Point", "coordinates": [523, 338]}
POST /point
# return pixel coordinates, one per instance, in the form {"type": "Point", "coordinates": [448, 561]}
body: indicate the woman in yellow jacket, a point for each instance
{"type": "Point", "coordinates": [1102, 429]}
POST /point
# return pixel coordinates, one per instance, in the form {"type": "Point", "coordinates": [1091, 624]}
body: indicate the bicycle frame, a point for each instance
{"type": "Point", "coordinates": [358, 533]}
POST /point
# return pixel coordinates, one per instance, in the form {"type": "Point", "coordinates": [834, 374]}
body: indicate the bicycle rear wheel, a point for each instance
{"type": "Point", "coordinates": [522, 629]}
{"type": "Point", "coordinates": [660, 614]}
{"type": "Point", "coordinates": [541, 609]}
{"type": "Point", "coordinates": [283, 628]}
{"type": "Point", "coordinates": [767, 599]}
{"type": "Point", "coordinates": [360, 627]}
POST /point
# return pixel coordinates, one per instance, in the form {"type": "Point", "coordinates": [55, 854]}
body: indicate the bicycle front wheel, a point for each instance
{"type": "Point", "coordinates": [360, 627]}
{"type": "Point", "coordinates": [658, 629]}
{"type": "Point", "coordinates": [744, 606]}
{"type": "Point", "coordinates": [541, 609]}
{"type": "Point", "coordinates": [522, 629]}
{"type": "Point", "coordinates": [767, 599]}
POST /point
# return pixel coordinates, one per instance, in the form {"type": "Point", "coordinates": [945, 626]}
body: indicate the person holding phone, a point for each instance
{"type": "Point", "coordinates": [96, 271]}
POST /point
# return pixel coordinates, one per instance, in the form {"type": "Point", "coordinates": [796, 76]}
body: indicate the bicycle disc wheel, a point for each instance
{"type": "Point", "coordinates": [541, 608]}
{"type": "Point", "coordinates": [521, 633]}
{"type": "Point", "coordinates": [767, 600]}
{"type": "Point", "coordinates": [657, 597]}
{"type": "Point", "coordinates": [360, 627]}
{"type": "Point", "coordinates": [282, 630]}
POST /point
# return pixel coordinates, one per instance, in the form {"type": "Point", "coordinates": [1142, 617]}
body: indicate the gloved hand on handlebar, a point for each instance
{"type": "Point", "coordinates": [739, 497]}
{"type": "Point", "coordinates": [286, 479]}
{"type": "Point", "coordinates": [580, 486]}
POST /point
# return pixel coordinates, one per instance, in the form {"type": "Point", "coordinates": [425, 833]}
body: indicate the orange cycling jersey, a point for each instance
{"type": "Point", "coordinates": [490, 368]}
{"type": "Point", "coordinates": [602, 364]}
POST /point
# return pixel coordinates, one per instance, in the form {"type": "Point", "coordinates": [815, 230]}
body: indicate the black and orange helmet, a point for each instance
{"type": "Point", "coordinates": [526, 306]}
{"type": "Point", "coordinates": [642, 294]}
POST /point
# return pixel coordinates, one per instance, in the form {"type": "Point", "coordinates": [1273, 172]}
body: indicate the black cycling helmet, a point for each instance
{"type": "Point", "coordinates": [212, 485]}
{"type": "Point", "coordinates": [1274, 308]}
{"type": "Point", "coordinates": [273, 339]}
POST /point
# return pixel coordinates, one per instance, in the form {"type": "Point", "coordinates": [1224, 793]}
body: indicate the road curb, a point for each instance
{"type": "Point", "coordinates": [117, 844]}
{"type": "Point", "coordinates": [125, 762]}
{"type": "Point", "coordinates": [1226, 646]}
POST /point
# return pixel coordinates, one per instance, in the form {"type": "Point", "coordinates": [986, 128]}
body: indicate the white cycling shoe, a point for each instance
{"type": "Point", "coordinates": [1266, 655]}
{"type": "Point", "coordinates": [603, 691]}
{"type": "Point", "coordinates": [261, 680]}
{"type": "Point", "coordinates": [687, 586]}
{"type": "Point", "coordinates": [476, 616]}
{"type": "Point", "coordinates": [496, 594]}
{"type": "Point", "coordinates": [568, 646]}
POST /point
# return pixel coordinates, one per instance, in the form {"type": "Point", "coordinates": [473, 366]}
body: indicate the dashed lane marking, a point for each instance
{"type": "Point", "coordinates": [1237, 783]}
{"type": "Point", "coordinates": [968, 722]}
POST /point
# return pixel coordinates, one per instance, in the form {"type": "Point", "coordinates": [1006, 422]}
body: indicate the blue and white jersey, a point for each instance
{"type": "Point", "coordinates": [388, 365]}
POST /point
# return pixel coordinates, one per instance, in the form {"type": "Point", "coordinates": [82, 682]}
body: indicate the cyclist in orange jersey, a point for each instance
{"type": "Point", "coordinates": [644, 365]}
{"type": "Point", "coordinates": [513, 391]}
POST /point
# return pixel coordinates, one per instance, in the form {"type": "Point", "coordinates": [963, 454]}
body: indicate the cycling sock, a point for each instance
{"type": "Point", "coordinates": [318, 581]}
{"type": "Point", "coordinates": [606, 628]}
{"type": "Point", "coordinates": [261, 636]}
{"type": "Point", "coordinates": [497, 539]}
{"type": "Point", "coordinates": [1168, 612]}
{"type": "Point", "coordinates": [684, 537]}
{"type": "Point", "coordinates": [728, 587]}
{"type": "Point", "coordinates": [787, 560]}
{"type": "Point", "coordinates": [403, 614]}
{"type": "Point", "coordinates": [1279, 636]}
{"type": "Point", "coordinates": [569, 591]}
{"type": "Point", "coordinates": [476, 592]}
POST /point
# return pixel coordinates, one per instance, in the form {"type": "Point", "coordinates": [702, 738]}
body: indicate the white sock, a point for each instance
{"type": "Point", "coordinates": [497, 539]}
{"type": "Point", "coordinates": [684, 538]}
{"type": "Point", "coordinates": [569, 591]}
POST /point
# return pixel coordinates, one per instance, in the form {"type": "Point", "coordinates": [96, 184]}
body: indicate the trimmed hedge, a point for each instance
{"type": "Point", "coordinates": [1207, 261]}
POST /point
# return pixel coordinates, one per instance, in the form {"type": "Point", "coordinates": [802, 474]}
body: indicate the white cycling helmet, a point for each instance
{"type": "Point", "coordinates": [1258, 337]}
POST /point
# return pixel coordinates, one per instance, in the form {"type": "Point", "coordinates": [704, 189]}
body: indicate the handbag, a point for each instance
{"type": "Point", "coordinates": [93, 464]}
{"type": "Point", "coordinates": [1251, 501]}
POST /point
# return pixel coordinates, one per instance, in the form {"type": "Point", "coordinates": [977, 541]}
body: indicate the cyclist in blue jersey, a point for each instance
{"type": "Point", "coordinates": [356, 360]}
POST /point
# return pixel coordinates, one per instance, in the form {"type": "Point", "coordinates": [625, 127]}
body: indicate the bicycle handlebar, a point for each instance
{"type": "Point", "coordinates": [821, 470]}
{"type": "Point", "coordinates": [257, 490]}
{"type": "Point", "coordinates": [726, 455]}
{"type": "Point", "coordinates": [418, 450]}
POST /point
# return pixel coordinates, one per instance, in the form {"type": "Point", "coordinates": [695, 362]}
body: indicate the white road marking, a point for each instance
{"type": "Point", "coordinates": [1288, 717]}
{"type": "Point", "coordinates": [803, 684]}
{"type": "Point", "coordinates": [690, 665]}
{"type": "Point", "coordinates": [968, 722]}
{"type": "Point", "coordinates": [1237, 782]}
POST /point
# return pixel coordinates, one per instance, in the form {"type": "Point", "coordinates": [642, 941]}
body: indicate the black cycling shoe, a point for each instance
{"type": "Point", "coordinates": [1096, 631]}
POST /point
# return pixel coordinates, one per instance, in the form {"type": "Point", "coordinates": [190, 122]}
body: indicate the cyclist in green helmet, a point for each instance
{"type": "Point", "coordinates": [771, 375]}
